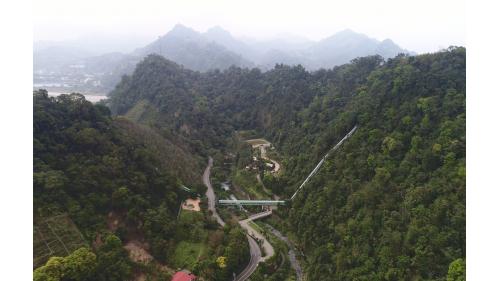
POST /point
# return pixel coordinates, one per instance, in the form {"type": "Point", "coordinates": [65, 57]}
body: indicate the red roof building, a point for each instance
{"type": "Point", "coordinates": [183, 276]}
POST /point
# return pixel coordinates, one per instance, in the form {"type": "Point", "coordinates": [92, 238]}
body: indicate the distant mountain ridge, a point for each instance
{"type": "Point", "coordinates": [78, 70]}
{"type": "Point", "coordinates": [337, 49]}
{"type": "Point", "coordinates": [193, 50]}
{"type": "Point", "coordinates": [343, 46]}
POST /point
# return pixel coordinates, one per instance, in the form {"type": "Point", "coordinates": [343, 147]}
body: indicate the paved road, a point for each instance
{"type": "Point", "coordinates": [268, 248]}
{"type": "Point", "coordinates": [292, 256]}
{"type": "Point", "coordinates": [255, 256]}
{"type": "Point", "coordinates": [259, 215]}
{"type": "Point", "coordinates": [255, 253]}
{"type": "Point", "coordinates": [210, 192]}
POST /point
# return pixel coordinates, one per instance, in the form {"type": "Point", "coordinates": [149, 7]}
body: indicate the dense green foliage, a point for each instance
{"type": "Point", "coordinates": [456, 272]}
{"type": "Point", "coordinates": [390, 204]}
{"type": "Point", "coordinates": [101, 170]}
{"type": "Point", "coordinates": [88, 165]}
{"type": "Point", "coordinates": [109, 263]}
{"type": "Point", "coordinates": [79, 265]}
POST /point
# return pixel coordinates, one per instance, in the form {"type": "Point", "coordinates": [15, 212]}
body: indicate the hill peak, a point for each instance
{"type": "Point", "coordinates": [182, 30]}
{"type": "Point", "coordinates": [218, 29]}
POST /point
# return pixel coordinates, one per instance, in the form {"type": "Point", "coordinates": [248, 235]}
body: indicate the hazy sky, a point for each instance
{"type": "Point", "coordinates": [417, 25]}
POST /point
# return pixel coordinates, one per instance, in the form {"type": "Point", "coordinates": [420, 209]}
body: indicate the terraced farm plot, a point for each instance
{"type": "Point", "coordinates": [55, 236]}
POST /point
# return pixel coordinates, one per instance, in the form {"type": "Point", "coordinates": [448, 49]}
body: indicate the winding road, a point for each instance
{"type": "Point", "coordinates": [255, 256]}
{"type": "Point", "coordinates": [245, 224]}
{"type": "Point", "coordinates": [255, 253]}
{"type": "Point", "coordinates": [210, 193]}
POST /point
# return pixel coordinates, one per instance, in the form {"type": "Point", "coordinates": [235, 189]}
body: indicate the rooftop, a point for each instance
{"type": "Point", "coordinates": [183, 276]}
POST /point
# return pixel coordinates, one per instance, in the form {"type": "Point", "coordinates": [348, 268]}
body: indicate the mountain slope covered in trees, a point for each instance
{"type": "Point", "coordinates": [390, 204]}
{"type": "Point", "coordinates": [120, 183]}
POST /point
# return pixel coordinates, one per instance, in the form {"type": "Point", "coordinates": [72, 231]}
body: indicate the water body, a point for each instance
{"type": "Point", "coordinates": [92, 98]}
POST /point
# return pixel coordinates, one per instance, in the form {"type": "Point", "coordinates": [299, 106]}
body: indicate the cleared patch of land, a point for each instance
{"type": "Point", "coordinates": [137, 252]}
{"type": "Point", "coordinates": [193, 237]}
{"type": "Point", "coordinates": [187, 254]}
{"type": "Point", "coordinates": [191, 204]}
{"type": "Point", "coordinates": [249, 183]}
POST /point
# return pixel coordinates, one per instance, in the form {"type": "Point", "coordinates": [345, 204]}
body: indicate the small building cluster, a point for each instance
{"type": "Point", "coordinates": [255, 165]}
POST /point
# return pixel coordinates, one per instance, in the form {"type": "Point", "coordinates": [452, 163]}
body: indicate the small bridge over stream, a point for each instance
{"type": "Point", "coordinates": [230, 202]}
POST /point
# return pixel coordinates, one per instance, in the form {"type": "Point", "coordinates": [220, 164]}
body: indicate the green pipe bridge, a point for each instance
{"type": "Point", "coordinates": [228, 202]}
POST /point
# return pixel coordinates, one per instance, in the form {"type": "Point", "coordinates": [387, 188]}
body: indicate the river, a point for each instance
{"type": "Point", "coordinates": [92, 98]}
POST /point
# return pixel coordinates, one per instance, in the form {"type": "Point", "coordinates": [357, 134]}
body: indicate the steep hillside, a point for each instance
{"type": "Point", "coordinates": [207, 107]}
{"type": "Point", "coordinates": [96, 170]}
{"type": "Point", "coordinates": [389, 205]}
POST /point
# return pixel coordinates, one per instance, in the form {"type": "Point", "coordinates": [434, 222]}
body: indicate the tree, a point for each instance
{"type": "Point", "coordinates": [79, 265]}
{"type": "Point", "coordinates": [53, 270]}
{"type": "Point", "coordinates": [456, 271]}
{"type": "Point", "coordinates": [221, 262]}
{"type": "Point", "coordinates": [112, 261]}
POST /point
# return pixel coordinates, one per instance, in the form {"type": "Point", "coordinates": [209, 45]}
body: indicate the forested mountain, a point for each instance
{"type": "Point", "coordinates": [119, 184]}
{"type": "Point", "coordinates": [390, 204]}
{"type": "Point", "coordinates": [88, 165]}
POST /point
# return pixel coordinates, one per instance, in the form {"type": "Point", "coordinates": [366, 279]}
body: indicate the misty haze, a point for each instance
{"type": "Point", "coordinates": [77, 66]}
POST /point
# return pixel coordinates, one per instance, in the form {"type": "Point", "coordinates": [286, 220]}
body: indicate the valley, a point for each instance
{"type": "Point", "coordinates": [356, 172]}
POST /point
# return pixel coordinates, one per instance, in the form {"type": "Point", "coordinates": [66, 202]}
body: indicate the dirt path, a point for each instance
{"type": "Point", "coordinates": [263, 155]}
{"type": "Point", "coordinates": [137, 252]}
